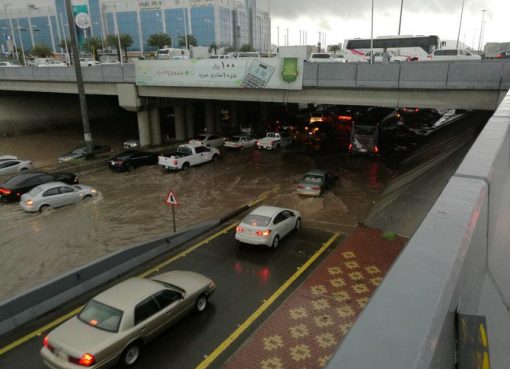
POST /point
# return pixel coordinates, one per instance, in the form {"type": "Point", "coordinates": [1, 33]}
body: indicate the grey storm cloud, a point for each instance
{"type": "Point", "coordinates": [349, 9]}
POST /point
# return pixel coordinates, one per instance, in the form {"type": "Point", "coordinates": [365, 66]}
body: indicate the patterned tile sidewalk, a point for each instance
{"type": "Point", "coordinates": [308, 327]}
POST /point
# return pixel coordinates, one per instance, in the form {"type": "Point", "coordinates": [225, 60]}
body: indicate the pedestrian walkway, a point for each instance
{"type": "Point", "coordinates": [308, 327]}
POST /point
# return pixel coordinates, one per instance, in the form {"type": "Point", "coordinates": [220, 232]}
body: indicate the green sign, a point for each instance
{"type": "Point", "coordinates": [290, 70]}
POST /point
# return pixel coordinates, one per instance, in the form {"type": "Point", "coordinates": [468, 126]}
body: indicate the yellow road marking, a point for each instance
{"type": "Point", "coordinates": [267, 303]}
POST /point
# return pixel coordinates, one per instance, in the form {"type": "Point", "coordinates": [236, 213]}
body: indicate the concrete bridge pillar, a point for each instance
{"type": "Point", "coordinates": [144, 131]}
{"type": "Point", "coordinates": [209, 116]}
{"type": "Point", "coordinates": [234, 114]}
{"type": "Point", "coordinates": [155, 127]}
{"type": "Point", "coordinates": [180, 122]}
{"type": "Point", "coordinates": [190, 123]}
{"type": "Point", "coordinates": [217, 116]}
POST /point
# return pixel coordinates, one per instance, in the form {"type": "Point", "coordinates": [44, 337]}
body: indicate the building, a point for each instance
{"type": "Point", "coordinates": [230, 23]}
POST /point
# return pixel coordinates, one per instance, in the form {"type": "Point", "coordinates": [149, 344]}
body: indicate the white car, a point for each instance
{"type": "Point", "coordinates": [52, 63]}
{"type": "Point", "coordinates": [453, 54]}
{"type": "Point", "coordinates": [7, 157]}
{"type": "Point", "coordinates": [132, 144]}
{"type": "Point", "coordinates": [378, 57]}
{"type": "Point", "coordinates": [88, 62]}
{"type": "Point", "coordinates": [208, 139]}
{"type": "Point", "coordinates": [325, 58]}
{"type": "Point", "coordinates": [8, 64]}
{"type": "Point", "coordinates": [240, 142]}
{"type": "Point", "coordinates": [54, 195]}
{"type": "Point", "coordinates": [10, 166]}
{"type": "Point", "coordinates": [267, 225]}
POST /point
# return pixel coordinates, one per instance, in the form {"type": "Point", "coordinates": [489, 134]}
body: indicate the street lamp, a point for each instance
{"type": "Point", "coordinates": [460, 24]}
{"type": "Point", "coordinates": [400, 18]}
{"type": "Point", "coordinates": [481, 30]}
{"type": "Point", "coordinates": [13, 38]}
{"type": "Point", "coordinates": [372, 36]}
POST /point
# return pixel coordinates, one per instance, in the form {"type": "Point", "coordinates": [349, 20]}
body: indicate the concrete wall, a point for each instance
{"type": "Point", "coordinates": [456, 262]}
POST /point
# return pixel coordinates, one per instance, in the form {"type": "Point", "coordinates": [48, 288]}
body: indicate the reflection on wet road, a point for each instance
{"type": "Point", "coordinates": [130, 208]}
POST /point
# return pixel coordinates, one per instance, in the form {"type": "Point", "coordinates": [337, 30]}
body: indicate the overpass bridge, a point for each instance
{"type": "Point", "coordinates": [461, 85]}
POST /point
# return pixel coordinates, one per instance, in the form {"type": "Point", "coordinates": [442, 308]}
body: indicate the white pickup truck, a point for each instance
{"type": "Point", "coordinates": [274, 141]}
{"type": "Point", "coordinates": [187, 156]}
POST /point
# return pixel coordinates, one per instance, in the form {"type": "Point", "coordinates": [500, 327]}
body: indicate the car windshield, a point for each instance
{"type": "Point", "coordinates": [101, 316]}
{"type": "Point", "coordinates": [257, 220]}
{"type": "Point", "coordinates": [35, 191]}
{"type": "Point", "coordinates": [312, 178]}
{"type": "Point", "coordinates": [78, 150]}
{"type": "Point", "coordinates": [235, 138]}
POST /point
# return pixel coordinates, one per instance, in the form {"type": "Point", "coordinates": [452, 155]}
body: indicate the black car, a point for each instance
{"type": "Point", "coordinates": [12, 189]}
{"type": "Point", "coordinates": [131, 159]}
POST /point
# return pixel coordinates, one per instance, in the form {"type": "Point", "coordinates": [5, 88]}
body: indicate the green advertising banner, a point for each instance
{"type": "Point", "coordinates": [82, 22]}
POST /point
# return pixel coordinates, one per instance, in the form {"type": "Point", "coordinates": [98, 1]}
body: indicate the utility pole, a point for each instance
{"type": "Point", "coordinates": [79, 79]}
{"type": "Point", "coordinates": [372, 36]}
{"type": "Point", "coordinates": [400, 19]}
{"type": "Point", "coordinates": [481, 30]}
{"type": "Point", "coordinates": [460, 24]}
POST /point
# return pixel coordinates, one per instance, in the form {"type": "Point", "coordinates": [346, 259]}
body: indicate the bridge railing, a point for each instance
{"type": "Point", "coordinates": [420, 75]}
{"type": "Point", "coordinates": [456, 263]}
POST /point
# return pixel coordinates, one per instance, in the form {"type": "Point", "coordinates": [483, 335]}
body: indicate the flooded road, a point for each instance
{"type": "Point", "coordinates": [130, 206]}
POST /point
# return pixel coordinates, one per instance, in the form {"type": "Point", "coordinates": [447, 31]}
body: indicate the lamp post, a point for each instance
{"type": "Point", "coordinates": [481, 30]}
{"type": "Point", "coordinates": [30, 8]}
{"type": "Point", "coordinates": [68, 55]}
{"type": "Point", "coordinates": [21, 41]}
{"type": "Point", "coordinates": [372, 36]}
{"type": "Point", "coordinates": [118, 33]}
{"type": "Point", "coordinates": [460, 24]}
{"type": "Point", "coordinates": [400, 18]}
{"type": "Point", "coordinates": [13, 38]}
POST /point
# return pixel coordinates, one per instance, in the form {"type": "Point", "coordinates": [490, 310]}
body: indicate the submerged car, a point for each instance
{"type": "Point", "coordinates": [316, 182]}
{"type": "Point", "coordinates": [10, 166]}
{"type": "Point", "coordinates": [113, 327]}
{"type": "Point", "coordinates": [54, 195]}
{"type": "Point", "coordinates": [240, 142]}
{"type": "Point", "coordinates": [12, 189]}
{"type": "Point", "coordinates": [208, 139]}
{"type": "Point", "coordinates": [267, 225]}
{"type": "Point", "coordinates": [131, 159]}
{"type": "Point", "coordinates": [81, 152]}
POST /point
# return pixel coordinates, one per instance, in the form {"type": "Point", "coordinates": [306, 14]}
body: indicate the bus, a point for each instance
{"type": "Point", "coordinates": [412, 47]}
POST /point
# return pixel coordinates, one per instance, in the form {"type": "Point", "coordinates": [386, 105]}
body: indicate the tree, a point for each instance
{"type": "Point", "coordinates": [213, 47]}
{"type": "Point", "coordinates": [334, 48]}
{"type": "Point", "coordinates": [62, 43]}
{"type": "Point", "coordinates": [159, 40]}
{"type": "Point", "coordinates": [41, 51]}
{"type": "Point", "coordinates": [246, 47]}
{"type": "Point", "coordinates": [125, 42]}
{"type": "Point", "coordinates": [93, 44]}
{"type": "Point", "coordinates": [192, 41]}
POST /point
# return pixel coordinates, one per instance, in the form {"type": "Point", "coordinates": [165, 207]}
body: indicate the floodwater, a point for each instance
{"type": "Point", "coordinates": [130, 207]}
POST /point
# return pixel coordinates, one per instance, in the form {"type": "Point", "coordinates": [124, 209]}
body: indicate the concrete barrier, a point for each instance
{"type": "Point", "coordinates": [425, 75]}
{"type": "Point", "coordinates": [378, 75]}
{"type": "Point", "coordinates": [310, 73]}
{"type": "Point", "coordinates": [333, 75]}
{"type": "Point", "coordinates": [475, 75]}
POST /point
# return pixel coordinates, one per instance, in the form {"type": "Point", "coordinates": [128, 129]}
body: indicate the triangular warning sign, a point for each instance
{"type": "Point", "coordinates": [171, 199]}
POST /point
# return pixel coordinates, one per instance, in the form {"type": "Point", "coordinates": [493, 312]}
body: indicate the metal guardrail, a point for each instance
{"type": "Point", "coordinates": [456, 263]}
{"type": "Point", "coordinates": [487, 75]}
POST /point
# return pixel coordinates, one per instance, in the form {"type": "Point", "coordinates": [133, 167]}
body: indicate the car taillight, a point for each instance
{"type": "Point", "coordinates": [5, 191]}
{"type": "Point", "coordinates": [376, 150]}
{"type": "Point", "coordinates": [46, 344]}
{"type": "Point", "coordinates": [174, 162]}
{"type": "Point", "coordinates": [267, 232]}
{"type": "Point", "coordinates": [316, 188]}
{"type": "Point", "coordinates": [300, 187]}
{"type": "Point", "coordinates": [344, 117]}
{"type": "Point", "coordinates": [350, 147]}
{"type": "Point", "coordinates": [499, 56]}
{"type": "Point", "coordinates": [87, 360]}
{"type": "Point", "coordinates": [239, 229]}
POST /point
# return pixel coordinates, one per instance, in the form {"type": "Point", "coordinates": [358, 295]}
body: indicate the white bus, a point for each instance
{"type": "Point", "coordinates": [411, 47]}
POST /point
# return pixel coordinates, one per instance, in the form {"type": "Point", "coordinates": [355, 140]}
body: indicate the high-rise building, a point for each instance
{"type": "Point", "coordinates": [229, 23]}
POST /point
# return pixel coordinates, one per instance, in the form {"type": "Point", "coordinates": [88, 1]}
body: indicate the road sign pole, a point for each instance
{"type": "Point", "coordinates": [173, 216]}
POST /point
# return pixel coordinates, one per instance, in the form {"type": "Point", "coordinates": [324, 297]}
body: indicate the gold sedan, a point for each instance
{"type": "Point", "coordinates": [114, 325]}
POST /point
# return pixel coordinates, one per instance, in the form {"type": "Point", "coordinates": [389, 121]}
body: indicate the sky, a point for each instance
{"type": "Point", "coordinates": [343, 19]}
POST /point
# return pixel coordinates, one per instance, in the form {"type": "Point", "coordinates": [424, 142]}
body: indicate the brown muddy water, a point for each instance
{"type": "Point", "coordinates": [130, 206]}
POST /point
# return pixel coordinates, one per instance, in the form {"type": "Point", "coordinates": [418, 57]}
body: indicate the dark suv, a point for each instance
{"type": "Point", "coordinates": [13, 188]}
{"type": "Point", "coordinates": [131, 159]}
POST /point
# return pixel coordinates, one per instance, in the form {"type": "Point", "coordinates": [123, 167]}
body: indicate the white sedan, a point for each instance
{"type": "Point", "coordinates": [240, 142]}
{"type": "Point", "coordinates": [208, 139]}
{"type": "Point", "coordinates": [267, 225]}
{"type": "Point", "coordinates": [54, 195]}
{"type": "Point", "coordinates": [10, 166]}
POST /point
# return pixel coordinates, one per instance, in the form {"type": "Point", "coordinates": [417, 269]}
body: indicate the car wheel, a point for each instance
{"type": "Point", "coordinates": [276, 241]}
{"type": "Point", "coordinates": [131, 354]}
{"type": "Point", "coordinates": [87, 197]}
{"type": "Point", "coordinates": [43, 208]}
{"type": "Point", "coordinates": [131, 168]}
{"type": "Point", "coordinates": [22, 169]}
{"type": "Point", "coordinates": [215, 158]}
{"type": "Point", "coordinates": [185, 166]}
{"type": "Point", "coordinates": [201, 303]}
{"type": "Point", "coordinates": [298, 224]}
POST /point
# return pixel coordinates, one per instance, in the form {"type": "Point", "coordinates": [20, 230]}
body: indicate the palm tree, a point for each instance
{"type": "Point", "coordinates": [246, 47]}
{"type": "Point", "coordinates": [159, 40]}
{"type": "Point", "coordinates": [334, 48]}
{"type": "Point", "coordinates": [192, 41]}
{"type": "Point", "coordinates": [41, 51]}
{"type": "Point", "coordinates": [213, 47]}
{"type": "Point", "coordinates": [125, 42]}
{"type": "Point", "coordinates": [62, 43]}
{"type": "Point", "coordinates": [93, 44]}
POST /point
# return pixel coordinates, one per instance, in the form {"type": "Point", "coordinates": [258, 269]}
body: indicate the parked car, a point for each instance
{"type": "Point", "coordinates": [114, 325]}
{"type": "Point", "coordinates": [208, 139]}
{"type": "Point", "coordinates": [187, 156]}
{"type": "Point", "coordinates": [12, 189]}
{"type": "Point", "coordinates": [54, 195]}
{"type": "Point", "coordinates": [131, 159]}
{"type": "Point", "coordinates": [51, 63]}
{"type": "Point", "coordinates": [316, 182]}
{"type": "Point", "coordinates": [10, 166]}
{"type": "Point", "coordinates": [8, 64]}
{"type": "Point", "coordinates": [267, 225]}
{"type": "Point", "coordinates": [81, 152]}
{"type": "Point", "coordinates": [325, 58]}
{"type": "Point", "coordinates": [240, 142]}
{"type": "Point", "coordinates": [88, 62]}
{"type": "Point", "coordinates": [453, 54]}
{"type": "Point", "coordinates": [378, 57]}
{"type": "Point", "coordinates": [7, 157]}
{"type": "Point", "coordinates": [132, 144]}
{"type": "Point", "coordinates": [274, 140]}
{"type": "Point", "coordinates": [503, 55]}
